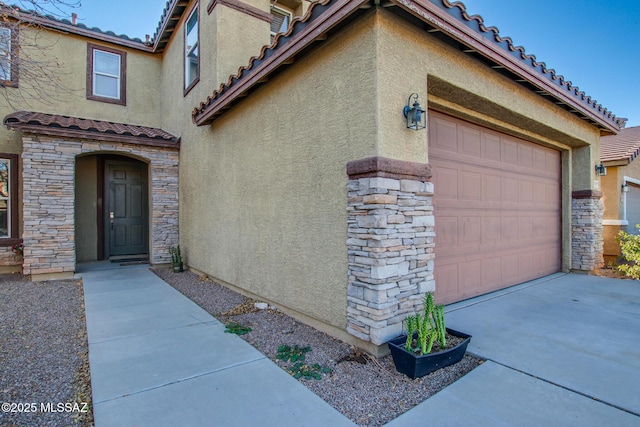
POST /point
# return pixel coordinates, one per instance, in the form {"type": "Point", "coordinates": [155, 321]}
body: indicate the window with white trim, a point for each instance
{"type": "Point", "coordinates": [106, 77]}
{"type": "Point", "coordinates": [191, 51]}
{"type": "Point", "coordinates": [5, 198]}
{"type": "Point", "coordinates": [8, 57]}
{"type": "Point", "coordinates": [8, 199]}
{"type": "Point", "coordinates": [280, 21]}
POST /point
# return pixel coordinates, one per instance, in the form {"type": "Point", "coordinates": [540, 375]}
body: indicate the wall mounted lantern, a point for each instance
{"type": "Point", "coordinates": [625, 188]}
{"type": "Point", "coordinates": [601, 170]}
{"type": "Point", "coordinates": [416, 117]}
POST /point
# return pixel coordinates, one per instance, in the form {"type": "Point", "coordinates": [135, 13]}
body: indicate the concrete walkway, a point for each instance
{"type": "Point", "coordinates": [563, 350]}
{"type": "Point", "coordinates": [157, 359]}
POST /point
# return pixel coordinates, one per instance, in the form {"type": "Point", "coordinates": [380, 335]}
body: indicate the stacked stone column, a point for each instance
{"type": "Point", "coordinates": [390, 245]}
{"type": "Point", "coordinates": [586, 230]}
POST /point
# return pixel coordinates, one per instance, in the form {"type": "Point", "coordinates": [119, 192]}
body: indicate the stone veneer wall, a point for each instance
{"type": "Point", "coordinates": [48, 182]}
{"type": "Point", "coordinates": [390, 245]}
{"type": "Point", "coordinates": [586, 230]}
{"type": "Point", "coordinates": [9, 262]}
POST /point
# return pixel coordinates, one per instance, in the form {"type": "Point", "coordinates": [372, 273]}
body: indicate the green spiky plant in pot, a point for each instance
{"type": "Point", "coordinates": [176, 259]}
{"type": "Point", "coordinates": [412, 352]}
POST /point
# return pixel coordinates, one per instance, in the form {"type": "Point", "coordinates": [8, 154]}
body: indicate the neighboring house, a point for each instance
{"type": "Point", "coordinates": [299, 181]}
{"type": "Point", "coordinates": [620, 187]}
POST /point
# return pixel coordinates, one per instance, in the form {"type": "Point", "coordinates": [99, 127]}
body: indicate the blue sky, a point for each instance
{"type": "Point", "coordinates": [592, 43]}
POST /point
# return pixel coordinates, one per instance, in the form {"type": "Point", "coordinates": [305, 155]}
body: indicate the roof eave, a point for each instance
{"type": "Point", "coordinates": [433, 15]}
{"type": "Point", "coordinates": [170, 17]}
{"type": "Point", "coordinates": [51, 24]}
{"type": "Point", "coordinates": [98, 136]}
{"type": "Point", "coordinates": [206, 114]}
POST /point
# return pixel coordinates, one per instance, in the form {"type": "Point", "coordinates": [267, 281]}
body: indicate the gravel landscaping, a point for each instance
{"type": "Point", "coordinates": [368, 391]}
{"type": "Point", "coordinates": [44, 367]}
{"type": "Point", "coordinates": [44, 357]}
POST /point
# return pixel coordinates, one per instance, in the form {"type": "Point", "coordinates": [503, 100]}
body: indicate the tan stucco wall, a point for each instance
{"type": "Point", "coordinates": [86, 210]}
{"type": "Point", "coordinates": [264, 195]}
{"type": "Point", "coordinates": [70, 51]}
{"type": "Point", "coordinates": [238, 37]}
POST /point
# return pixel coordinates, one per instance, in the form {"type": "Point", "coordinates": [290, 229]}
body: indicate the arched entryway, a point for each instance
{"type": "Point", "coordinates": [64, 190]}
{"type": "Point", "coordinates": [112, 208]}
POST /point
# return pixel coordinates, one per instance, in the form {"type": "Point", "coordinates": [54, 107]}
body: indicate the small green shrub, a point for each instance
{"type": "Point", "coordinates": [630, 248]}
{"type": "Point", "coordinates": [299, 369]}
{"type": "Point", "coordinates": [315, 371]}
{"type": "Point", "coordinates": [236, 328]}
{"type": "Point", "coordinates": [292, 354]}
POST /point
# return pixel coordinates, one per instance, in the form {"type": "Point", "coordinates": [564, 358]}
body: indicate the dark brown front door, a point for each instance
{"type": "Point", "coordinates": [127, 209]}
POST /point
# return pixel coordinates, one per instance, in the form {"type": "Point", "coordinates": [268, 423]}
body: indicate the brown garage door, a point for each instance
{"type": "Point", "coordinates": [497, 208]}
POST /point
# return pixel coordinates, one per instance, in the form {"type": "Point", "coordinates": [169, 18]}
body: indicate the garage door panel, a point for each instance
{"type": "Point", "coordinates": [553, 195]}
{"type": "Point", "coordinates": [447, 275]}
{"type": "Point", "coordinates": [525, 228]}
{"type": "Point", "coordinates": [492, 187]}
{"type": "Point", "coordinates": [526, 267]}
{"type": "Point", "coordinates": [553, 161]}
{"type": "Point", "coordinates": [525, 191]}
{"type": "Point", "coordinates": [471, 187]}
{"type": "Point", "coordinates": [509, 268]}
{"type": "Point", "coordinates": [510, 152]}
{"type": "Point", "coordinates": [471, 275]}
{"type": "Point", "coordinates": [447, 231]}
{"type": "Point", "coordinates": [491, 147]}
{"type": "Point", "coordinates": [540, 193]}
{"type": "Point", "coordinates": [448, 179]}
{"type": "Point", "coordinates": [490, 229]}
{"type": "Point", "coordinates": [540, 159]}
{"type": "Point", "coordinates": [470, 141]}
{"type": "Point", "coordinates": [445, 134]}
{"type": "Point", "coordinates": [510, 190]}
{"type": "Point", "coordinates": [471, 231]}
{"type": "Point", "coordinates": [496, 206]}
{"type": "Point", "coordinates": [492, 273]}
{"type": "Point", "coordinates": [509, 228]}
{"type": "Point", "coordinates": [525, 156]}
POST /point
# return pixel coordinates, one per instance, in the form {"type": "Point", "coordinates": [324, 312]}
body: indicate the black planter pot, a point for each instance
{"type": "Point", "coordinates": [178, 268]}
{"type": "Point", "coordinates": [415, 366]}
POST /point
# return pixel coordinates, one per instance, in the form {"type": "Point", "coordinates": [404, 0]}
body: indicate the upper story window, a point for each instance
{"type": "Point", "coordinates": [280, 21]}
{"type": "Point", "coordinates": [8, 197]}
{"type": "Point", "coordinates": [8, 57]}
{"type": "Point", "coordinates": [106, 74]}
{"type": "Point", "coordinates": [191, 51]}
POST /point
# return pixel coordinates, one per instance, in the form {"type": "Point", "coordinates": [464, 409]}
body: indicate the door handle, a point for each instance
{"type": "Point", "coordinates": [111, 217]}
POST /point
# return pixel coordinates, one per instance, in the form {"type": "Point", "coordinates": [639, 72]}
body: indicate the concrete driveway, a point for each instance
{"type": "Point", "coordinates": [562, 350]}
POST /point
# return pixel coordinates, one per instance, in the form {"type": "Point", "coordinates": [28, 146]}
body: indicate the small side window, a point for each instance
{"type": "Point", "coordinates": [106, 75]}
{"type": "Point", "coordinates": [8, 199]}
{"type": "Point", "coordinates": [8, 57]}
{"type": "Point", "coordinates": [191, 51]}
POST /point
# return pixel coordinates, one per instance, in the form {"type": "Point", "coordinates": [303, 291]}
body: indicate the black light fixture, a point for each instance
{"type": "Point", "coordinates": [625, 188]}
{"type": "Point", "coordinates": [601, 170]}
{"type": "Point", "coordinates": [416, 117]}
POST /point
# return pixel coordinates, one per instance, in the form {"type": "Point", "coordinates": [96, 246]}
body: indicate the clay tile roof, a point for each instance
{"type": "Point", "coordinates": [50, 21]}
{"type": "Point", "coordinates": [449, 18]}
{"type": "Point", "coordinates": [623, 146]}
{"type": "Point", "coordinates": [75, 127]}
